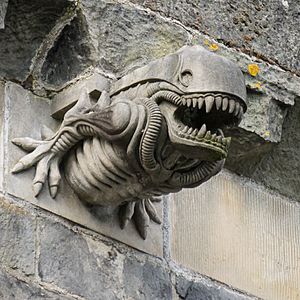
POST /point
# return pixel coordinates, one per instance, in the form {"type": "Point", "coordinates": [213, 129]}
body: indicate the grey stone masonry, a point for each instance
{"type": "Point", "coordinates": [3, 6]}
{"type": "Point", "coordinates": [45, 257]}
{"type": "Point", "coordinates": [268, 29]}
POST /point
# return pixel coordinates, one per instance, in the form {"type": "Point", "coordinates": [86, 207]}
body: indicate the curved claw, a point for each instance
{"type": "Point", "coordinates": [54, 177]}
{"type": "Point", "coordinates": [141, 219]}
{"type": "Point", "coordinates": [26, 143]}
{"type": "Point", "coordinates": [32, 158]}
{"type": "Point", "coordinates": [126, 212]}
{"type": "Point", "coordinates": [152, 211]}
{"type": "Point", "coordinates": [141, 211]}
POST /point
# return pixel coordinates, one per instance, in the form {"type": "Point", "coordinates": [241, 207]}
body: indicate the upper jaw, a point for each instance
{"type": "Point", "coordinates": [194, 124]}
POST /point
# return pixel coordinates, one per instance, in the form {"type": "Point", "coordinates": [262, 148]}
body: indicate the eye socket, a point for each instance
{"type": "Point", "coordinates": [185, 77]}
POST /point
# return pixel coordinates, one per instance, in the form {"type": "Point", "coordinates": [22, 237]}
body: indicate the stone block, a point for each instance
{"type": "Point", "coordinates": [137, 38]}
{"type": "Point", "coordinates": [70, 55]}
{"type": "Point", "coordinates": [147, 280]}
{"type": "Point", "coordinates": [68, 261]}
{"type": "Point", "coordinates": [268, 29]}
{"type": "Point", "coordinates": [280, 169]}
{"type": "Point", "coordinates": [3, 7]}
{"type": "Point", "coordinates": [93, 270]}
{"type": "Point", "coordinates": [204, 290]}
{"type": "Point", "coordinates": [2, 88]}
{"type": "Point", "coordinates": [35, 112]}
{"type": "Point", "coordinates": [238, 234]}
{"type": "Point", "coordinates": [14, 289]}
{"type": "Point", "coordinates": [17, 238]}
{"type": "Point", "coordinates": [67, 98]}
{"type": "Point", "coordinates": [27, 24]}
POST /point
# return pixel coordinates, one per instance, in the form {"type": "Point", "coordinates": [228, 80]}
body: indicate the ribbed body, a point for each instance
{"type": "Point", "coordinates": [99, 172]}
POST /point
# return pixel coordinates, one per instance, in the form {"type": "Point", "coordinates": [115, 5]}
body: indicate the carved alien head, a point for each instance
{"type": "Point", "coordinates": [199, 93]}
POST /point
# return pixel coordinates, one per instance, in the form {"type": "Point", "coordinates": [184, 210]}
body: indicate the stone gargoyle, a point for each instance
{"type": "Point", "coordinates": [158, 130]}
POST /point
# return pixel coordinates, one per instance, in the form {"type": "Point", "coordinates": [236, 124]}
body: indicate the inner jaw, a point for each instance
{"type": "Point", "coordinates": [198, 121]}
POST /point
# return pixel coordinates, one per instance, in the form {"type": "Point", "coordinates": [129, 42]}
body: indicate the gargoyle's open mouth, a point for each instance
{"type": "Point", "coordinates": [197, 121]}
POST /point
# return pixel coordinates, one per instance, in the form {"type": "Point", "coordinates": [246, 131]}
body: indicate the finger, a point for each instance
{"type": "Point", "coordinates": [41, 174]}
{"type": "Point", "coordinates": [30, 159]}
{"type": "Point", "coordinates": [126, 213]}
{"type": "Point", "coordinates": [152, 211]}
{"type": "Point", "coordinates": [54, 178]}
{"type": "Point", "coordinates": [28, 144]}
{"type": "Point", "coordinates": [141, 219]}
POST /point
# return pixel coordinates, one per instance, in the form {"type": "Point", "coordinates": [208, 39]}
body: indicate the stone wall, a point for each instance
{"type": "Point", "coordinates": [233, 237]}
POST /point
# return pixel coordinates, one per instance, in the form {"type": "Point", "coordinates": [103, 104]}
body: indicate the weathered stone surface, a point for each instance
{"type": "Point", "coordinates": [14, 289]}
{"type": "Point", "coordinates": [91, 269]}
{"type": "Point", "coordinates": [135, 39]}
{"type": "Point", "coordinates": [34, 113]}
{"type": "Point", "coordinates": [26, 25]}
{"type": "Point", "coordinates": [267, 29]}
{"type": "Point", "coordinates": [67, 260]}
{"type": "Point", "coordinates": [146, 281]}
{"type": "Point", "coordinates": [204, 290]}
{"type": "Point", "coordinates": [69, 56]}
{"type": "Point", "coordinates": [257, 133]}
{"type": "Point", "coordinates": [238, 234]}
{"type": "Point", "coordinates": [17, 238]}
{"type": "Point", "coordinates": [3, 7]}
{"type": "Point", "coordinates": [2, 89]}
{"type": "Point", "coordinates": [280, 169]}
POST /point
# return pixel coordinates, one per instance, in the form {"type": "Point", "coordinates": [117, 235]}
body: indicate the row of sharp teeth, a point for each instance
{"type": "Point", "coordinates": [221, 102]}
{"type": "Point", "coordinates": [203, 135]}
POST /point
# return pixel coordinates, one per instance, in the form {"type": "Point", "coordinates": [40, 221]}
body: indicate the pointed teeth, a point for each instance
{"type": "Point", "coordinates": [188, 102]}
{"type": "Point", "coordinates": [214, 137]}
{"type": "Point", "coordinates": [200, 102]}
{"type": "Point", "coordinates": [218, 102]}
{"type": "Point", "coordinates": [224, 104]}
{"type": "Point", "coordinates": [185, 129]}
{"type": "Point", "coordinates": [237, 109]}
{"type": "Point", "coordinates": [208, 135]}
{"type": "Point", "coordinates": [195, 102]}
{"type": "Point", "coordinates": [209, 102]}
{"type": "Point", "coordinates": [190, 130]}
{"type": "Point", "coordinates": [183, 100]}
{"type": "Point", "coordinates": [194, 133]}
{"type": "Point", "coordinates": [202, 131]}
{"type": "Point", "coordinates": [231, 106]}
{"type": "Point", "coordinates": [219, 139]}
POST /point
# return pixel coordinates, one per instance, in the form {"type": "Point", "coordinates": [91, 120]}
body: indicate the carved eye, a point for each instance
{"type": "Point", "coordinates": [186, 77]}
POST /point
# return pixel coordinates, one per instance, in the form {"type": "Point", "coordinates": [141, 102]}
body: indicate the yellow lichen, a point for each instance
{"type": "Point", "coordinates": [257, 85]}
{"type": "Point", "coordinates": [206, 42]}
{"type": "Point", "coordinates": [213, 47]}
{"type": "Point", "coordinates": [253, 69]}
